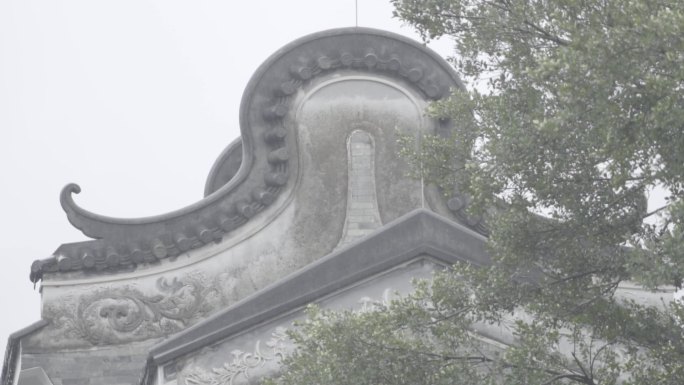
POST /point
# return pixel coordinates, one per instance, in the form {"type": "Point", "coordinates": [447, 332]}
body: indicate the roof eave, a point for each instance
{"type": "Point", "coordinates": [420, 232]}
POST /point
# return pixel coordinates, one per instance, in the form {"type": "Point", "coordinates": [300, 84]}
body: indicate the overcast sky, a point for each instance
{"type": "Point", "coordinates": [131, 99]}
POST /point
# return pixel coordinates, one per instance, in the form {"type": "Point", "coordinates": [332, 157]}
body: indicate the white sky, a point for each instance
{"type": "Point", "coordinates": [131, 99]}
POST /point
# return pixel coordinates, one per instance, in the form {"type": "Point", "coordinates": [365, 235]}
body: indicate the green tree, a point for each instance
{"type": "Point", "coordinates": [574, 116]}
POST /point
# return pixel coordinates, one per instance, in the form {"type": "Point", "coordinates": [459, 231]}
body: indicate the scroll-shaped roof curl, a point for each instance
{"type": "Point", "coordinates": [268, 164]}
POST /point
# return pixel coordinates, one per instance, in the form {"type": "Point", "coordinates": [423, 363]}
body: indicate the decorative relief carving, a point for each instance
{"type": "Point", "coordinates": [119, 315]}
{"type": "Point", "coordinates": [368, 304]}
{"type": "Point", "coordinates": [243, 362]}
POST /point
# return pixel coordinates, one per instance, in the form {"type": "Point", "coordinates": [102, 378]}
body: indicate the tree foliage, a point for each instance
{"type": "Point", "coordinates": [575, 114]}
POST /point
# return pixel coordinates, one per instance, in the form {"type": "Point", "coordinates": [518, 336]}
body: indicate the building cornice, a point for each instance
{"type": "Point", "coordinates": [418, 234]}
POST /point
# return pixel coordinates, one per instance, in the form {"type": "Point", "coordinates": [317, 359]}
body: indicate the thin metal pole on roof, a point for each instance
{"type": "Point", "coordinates": [356, 6]}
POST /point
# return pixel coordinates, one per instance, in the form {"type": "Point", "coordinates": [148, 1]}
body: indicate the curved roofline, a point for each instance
{"type": "Point", "coordinates": [269, 160]}
{"type": "Point", "coordinates": [72, 188]}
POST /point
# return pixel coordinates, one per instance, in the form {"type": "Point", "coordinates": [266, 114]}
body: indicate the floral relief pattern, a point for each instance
{"type": "Point", "coordinates": [242, 363]}
{"type": "Point", "coordinates": [119, 315]}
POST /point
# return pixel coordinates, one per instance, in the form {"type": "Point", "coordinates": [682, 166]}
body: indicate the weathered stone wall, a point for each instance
{"type": "Point", "coordinates": [159, 301]}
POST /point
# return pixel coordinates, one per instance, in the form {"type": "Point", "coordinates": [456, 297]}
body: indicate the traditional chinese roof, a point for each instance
{"type": "Point", "coordinates": [250, 175]}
